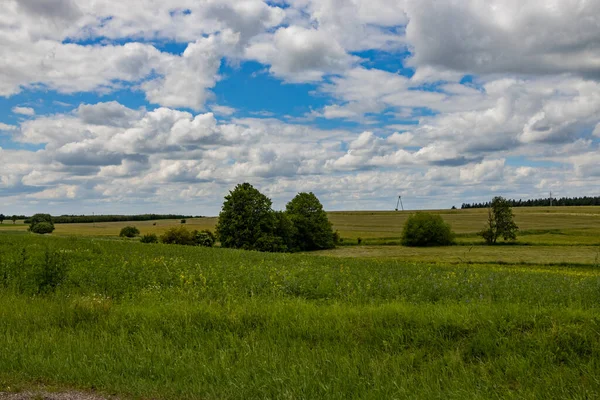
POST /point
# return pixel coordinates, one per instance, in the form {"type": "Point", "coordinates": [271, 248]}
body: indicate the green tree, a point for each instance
{"type": "Point", "coordinates": [245, 219]}
{"type": "Point", "coordinates": [424, 229]}
{"type": "Point", "coordinates": [46, 219]}
{"type": "Point", "coordinates": [179, 235]}
{"type": "Point", "coordinates": [2, 217]}
{"type": "Point", "coordinates": [129, 231]}
{"type": "Point", "coordinates": [313, 230]}
{"type": "Point", "coordinates": [14, 219]}
{"type": "Point", "coordinates": [500, 222]}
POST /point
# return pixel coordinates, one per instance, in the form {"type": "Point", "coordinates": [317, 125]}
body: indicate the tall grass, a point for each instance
{"type": "Point", "coordinates": [161, 321]}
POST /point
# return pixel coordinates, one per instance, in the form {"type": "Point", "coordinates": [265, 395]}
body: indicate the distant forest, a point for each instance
{"type": "Point", "coordinates": [564, 201]}
{"type": "Point", "coordinates": [81, 219]}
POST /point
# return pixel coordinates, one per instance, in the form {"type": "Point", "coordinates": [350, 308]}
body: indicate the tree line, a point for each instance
{"type": "Point", "coordinates": [82, 219]}
{"type": "Point", "coordinates": [564, 201]}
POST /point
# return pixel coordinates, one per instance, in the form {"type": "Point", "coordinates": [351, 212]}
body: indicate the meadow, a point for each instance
{"type": "Point", "coordinates": [88, 311]}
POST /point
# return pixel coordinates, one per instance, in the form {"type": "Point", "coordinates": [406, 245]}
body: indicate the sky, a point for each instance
{"type": "Point", "coordinates": [153, 106]}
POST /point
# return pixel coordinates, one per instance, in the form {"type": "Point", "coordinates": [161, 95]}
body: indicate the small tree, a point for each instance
{"type": "Point", "coordinates": [129, 231]}
{"type": "Point", "coordinates": [424, 229]}
{"type": "Point", "coordinates": [246, 217]}
{"type": "Point", "coordinates": [500, 222]}
{"type": "Point", "coordinates": [2, 217]}
{"type": "Point", "coordinates": [14, 219]}
{"type": "Point", "coordinates": [46, 219]}
{"type": "Point", "coordinates": [313, 229]}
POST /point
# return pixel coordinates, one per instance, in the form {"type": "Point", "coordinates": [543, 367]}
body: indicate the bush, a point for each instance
{"type": "Point", "coordinates": [313, 229]}
{"type": "Point", "coordinates": [204, 238]}
{"type": "Point", "coordinates": [424, 229]}
{"type": "Point", "coordinates": [179, 235]}
{"type": "Point", "coordinates": [45, 220]}
{"type": "Point", "coordinates": [149, 238]}
{"type": "Point", "coordinates": [42, 227]}
{"type": "Point", "coordinates": [183, 221]}
{"type": "Point", "coordinates": [129, 231]}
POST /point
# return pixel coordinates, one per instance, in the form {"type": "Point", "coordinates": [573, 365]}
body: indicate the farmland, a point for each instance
{"type": "Point", "coordinates": [82, 309]}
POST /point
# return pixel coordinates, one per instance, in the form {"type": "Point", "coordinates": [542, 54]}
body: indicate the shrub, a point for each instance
{"type": "Point", "coordinates": [183, 221]}
{"type": "Point", "coordinates": [313, 229]}
{"type": "Point", "coordinates": [45, 219]}
{"type": "Point", "coordinates": [424, 229]}
{"type": "Point", "coordinates": [179, 235]}
{"type": "Point", "coordinates": [149, 238]}
{"type": "Point", "coordinates": [42, 227]}
{"type": "Point", "coordinates": [204, 238]}
{"type": "Point", "coordinates": [129, 231]}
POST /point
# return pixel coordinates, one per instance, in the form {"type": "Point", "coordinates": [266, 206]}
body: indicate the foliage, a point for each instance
{"type": "Point", "coordinates": [204, 238]}
{"type": "Point", "coordinates": [149, 238]}
{"type": "Point", "coordinates": [44, 221]}
{"type": "Point", "coordinates": [179, 235]}
{"type": "Point", "coordinates": [2, 218]}
{"type": "Point", "coordinates": [14, 219]}
{"type": "Point", "coordinates": [183, 221]}
{"type": "Point", "coordinates": [564, 201]}
{"type": "Point", "coordinates": [81, 219]}
{"type": "Point", "coordinates": [129, 231]}
{"type": "Point", "coordinates": [42, 228]}
{"type": "Point", "coordinates": [313, 229]}
{"type": "Point", "coordinates": [425, 229]}
{"type": "Point", "coordinates": [245, 218]}
{"type": "Point", "coordinates": [500, 222]}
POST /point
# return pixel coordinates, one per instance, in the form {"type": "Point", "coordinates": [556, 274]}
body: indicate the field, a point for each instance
{"type": "Point", "coordinates": [81, 309]}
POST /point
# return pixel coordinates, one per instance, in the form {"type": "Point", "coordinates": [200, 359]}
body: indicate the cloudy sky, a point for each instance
{"type": "Point", "coordinates": [112, 106]}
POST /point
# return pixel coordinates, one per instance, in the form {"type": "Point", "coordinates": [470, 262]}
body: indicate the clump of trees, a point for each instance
{"type": "Point", "coordinates": [500, 222]}
{"type": "Point", "coordinates": [129, 231]}
{"type": "Point", "coordinates": [425, 229]}
{"type": "Point", "coordinates": [41, 224]}
{"type": "Point", "coordinates": [247, 221]}
{"type": "Point", "coordinates": [183, 236]}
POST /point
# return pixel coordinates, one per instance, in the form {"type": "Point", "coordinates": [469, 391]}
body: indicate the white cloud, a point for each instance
{"type": "Point", "coordinates": [299, 54]}
{"type": "Point", "coordinates": [23, 111]}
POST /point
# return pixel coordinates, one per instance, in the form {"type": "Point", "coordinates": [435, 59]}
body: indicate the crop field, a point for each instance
{"type": "Point", "coordinates": [84, 310]}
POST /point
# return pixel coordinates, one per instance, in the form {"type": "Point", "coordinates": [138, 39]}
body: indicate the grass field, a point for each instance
{"type": "Point", "coordinates": [81, 309]}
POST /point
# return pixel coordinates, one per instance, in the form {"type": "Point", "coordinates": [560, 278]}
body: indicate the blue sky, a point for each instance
{"type": "Point", "coordinates": [135, 107]}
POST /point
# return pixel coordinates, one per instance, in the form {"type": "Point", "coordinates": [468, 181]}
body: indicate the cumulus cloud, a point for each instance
{"type": "Point", "coordinates": [23, 111]}
{"type": "Point", "coordinates": [506, 36]}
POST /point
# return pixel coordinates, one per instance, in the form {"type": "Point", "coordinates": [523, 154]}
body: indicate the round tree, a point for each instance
{"type": "Point", "coordinates": [245, 219]}
{"type": "Point", "coordinates": [313, 230]}
{"type": "Point", "coordinates": [424, 229]}
{"type": "Point", "coordinates": [129, 231]}
{"type": "Point", "coordinates": [45, 219]}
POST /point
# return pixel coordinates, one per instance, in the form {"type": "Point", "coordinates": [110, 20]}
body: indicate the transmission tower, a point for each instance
{"type": "Point", "coordinates": [399, 203]}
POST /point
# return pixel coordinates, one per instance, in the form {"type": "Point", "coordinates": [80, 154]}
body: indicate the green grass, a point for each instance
{"type": "Point", "coordinates": [157, 321]}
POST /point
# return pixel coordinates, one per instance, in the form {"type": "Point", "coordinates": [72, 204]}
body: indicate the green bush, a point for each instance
{"type": "Point", "coordinates": [44, 219]}
{"type": "Point", "coordinates": [149, 238]}
{"type": "Point", "coordinates": [42, 227]}
{"type": "Point", "coordinates": [424, 229]}
{"type": "Point", "coordinates": [129, 231]}
{"type": "Point", "coordinates": [179, 235]}
{"type": "Point", "coordinates": [204, 238]}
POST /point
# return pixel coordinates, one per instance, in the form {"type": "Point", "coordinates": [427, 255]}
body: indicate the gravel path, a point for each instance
{"type": "Point", "coordinates": [51, 396]}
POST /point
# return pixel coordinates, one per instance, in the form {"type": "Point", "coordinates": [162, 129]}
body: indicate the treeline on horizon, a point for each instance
{"type": "Point", "coordinates": [564, 201]}
{"type": "Point", "coordinates": [82, 219]}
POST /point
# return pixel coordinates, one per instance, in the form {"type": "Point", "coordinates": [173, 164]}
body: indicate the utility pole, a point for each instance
{"type": "Point", "coordinates": [399, 203]}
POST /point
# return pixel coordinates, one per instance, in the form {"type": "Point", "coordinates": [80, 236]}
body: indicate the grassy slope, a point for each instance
{"type": "Point", "coordinates": [172, 322]}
